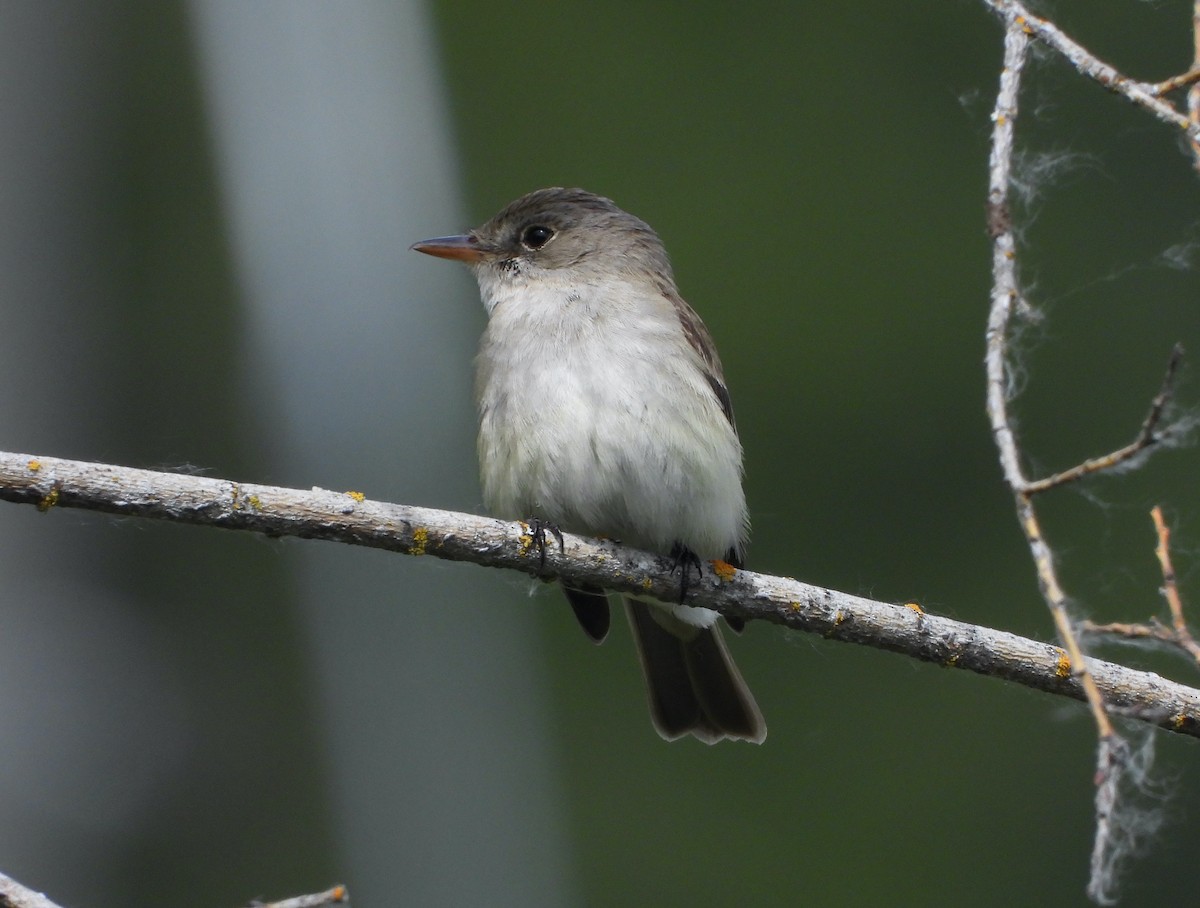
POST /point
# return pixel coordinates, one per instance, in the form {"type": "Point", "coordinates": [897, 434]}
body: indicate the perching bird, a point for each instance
{"type": "Point", "coordinates": [603, 411]}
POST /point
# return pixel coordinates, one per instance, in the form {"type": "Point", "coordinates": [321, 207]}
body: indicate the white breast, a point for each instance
{"type": "Point", "coordinates": [595, 414]}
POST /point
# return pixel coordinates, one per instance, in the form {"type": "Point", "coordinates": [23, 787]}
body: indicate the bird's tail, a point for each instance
{"type": "Point", "coordinates": [692, 683]}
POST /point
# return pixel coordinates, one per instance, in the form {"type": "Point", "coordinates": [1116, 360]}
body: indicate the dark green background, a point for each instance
{"type": "Point", "coordinates": [818, 174]}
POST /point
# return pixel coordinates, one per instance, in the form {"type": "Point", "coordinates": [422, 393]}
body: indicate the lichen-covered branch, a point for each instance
{"type": "Point", "coordinates": [348, 517]}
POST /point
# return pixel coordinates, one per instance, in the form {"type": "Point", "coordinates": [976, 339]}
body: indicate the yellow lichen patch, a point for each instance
{"type": "Point", "coordinates": [357, 496]}
{"type": "Point", "coordinates": [723, 569]}
{"type": "Point", "coordinates": [795, 606]}
{"type": "Point", "coordinates": [1062, 668]}
{"type": "Point", "coordinates": [420, 540]}
{"type": "Point", "coordinates": [915, 607]}
{"type": "Point", "coordinates": [34, 465]}
{"type": "Point", "coordinates": [647, 583]}
{"type": "Point", "coordinates": [1179, 721]}
{"type": "Point", "coordinates": [952, 661]}
{"type": "Point", "coordinates": [237, 495]}
{"type": "Point", "coordinates": [49, 501]}
{"type": "Point", "coordinates": [838, 617]}
{"type": "Point", "coordinates": [339, 893]}
{"type": "Point", "coordinates": [254, 501]}
{"type": "Point", "coordinates": [526, 539]}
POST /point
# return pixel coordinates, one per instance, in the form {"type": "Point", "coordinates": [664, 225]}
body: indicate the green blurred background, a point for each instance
{"type": "Point", "coordinates": [206, 208]}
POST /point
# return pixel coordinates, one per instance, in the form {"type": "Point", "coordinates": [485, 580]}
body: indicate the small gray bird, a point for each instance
{"type": "Point", "coordinates": [603, 412]}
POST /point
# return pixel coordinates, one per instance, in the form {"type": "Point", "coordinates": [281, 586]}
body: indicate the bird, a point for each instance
{"type": "Point", "coordinates": [603, 411]}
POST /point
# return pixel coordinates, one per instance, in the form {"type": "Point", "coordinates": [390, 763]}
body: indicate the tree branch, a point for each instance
{"type": "Point", "coordinates": [14, 895]}
{"type": "Point", "coordinates": [1114, 757]}
{"type": "Point", "coordinates": [349, 517]}
{"type": "Point", "coordinates": [1144, 94]}
{"type": "Point", "coordinates": [335, 896]}
{"type": "Point", "coordinates": [1149, 435]}
{"type": "Point", "coordinates": [1178, 634]}
{"type": "Point", "coordinates": [1006, 296]}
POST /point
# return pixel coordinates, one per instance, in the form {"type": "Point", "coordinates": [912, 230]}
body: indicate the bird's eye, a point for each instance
{"type": "Point", "coordinates": [536, 237]}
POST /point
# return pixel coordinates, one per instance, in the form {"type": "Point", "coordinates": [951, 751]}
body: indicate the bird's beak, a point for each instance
{"type": "Point", "coordinates": [462, 248]}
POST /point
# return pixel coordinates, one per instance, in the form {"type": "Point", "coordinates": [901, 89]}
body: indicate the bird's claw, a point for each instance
{"type": "Point", "coordinates": [538, 529]}
{"type": "Point", "coordinates": [684, 559]}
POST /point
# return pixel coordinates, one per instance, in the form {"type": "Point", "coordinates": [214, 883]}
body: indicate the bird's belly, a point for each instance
{"type": "Point", "coordinates": [649, 468]}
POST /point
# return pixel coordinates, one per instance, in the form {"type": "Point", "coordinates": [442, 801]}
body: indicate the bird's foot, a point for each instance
{"type": "Point", "coordinates": [684, 559]}
{"type": "Point", "coordinates": [538, 529]}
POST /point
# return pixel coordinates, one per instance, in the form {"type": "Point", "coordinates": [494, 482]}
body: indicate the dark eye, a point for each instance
{"type": "Point", "coordinates": [536, 237]}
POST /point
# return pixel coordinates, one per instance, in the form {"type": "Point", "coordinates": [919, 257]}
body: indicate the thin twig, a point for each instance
{"type": "Point", "coordinates": [1004, 298]}
{"type": "Point", "coordinates": [1147, 436]}
{"type": "Point", "coordinates": [1113, 752]}
{"type": "Point", "coordinates": [1193, 96]}
{"type": "Point", "coordinates": [1178, 633]}
{"type": "Point", "coordinates": [1171, 586]}
{"type": "Point", "coordinates": [1151, 630]}
{"type": "Point", "coordinates": [338, 895]}
{"type": "Point", "coordinates": [1113, 758]}
{"type": "Point", "coordinates": [1144, 94]}
{"type": "Point", "coordinates": [1183, 80]}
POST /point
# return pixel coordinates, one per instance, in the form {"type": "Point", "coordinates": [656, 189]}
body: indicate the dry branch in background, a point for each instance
{"type": "Point", "coordinates": [349, 517]}
{"type": "Point", "coordinates": [1006, 298]}
{"type": "Point", "coordinates": [1177, 634]}
{"type": "Point", "coordinates": [1148, 95]}
{"type": "Point", "coordinates": [1115, 760]}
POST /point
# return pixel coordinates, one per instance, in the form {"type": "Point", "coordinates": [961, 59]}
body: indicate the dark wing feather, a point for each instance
{"type": "Point", "coordinates": [701, 341]}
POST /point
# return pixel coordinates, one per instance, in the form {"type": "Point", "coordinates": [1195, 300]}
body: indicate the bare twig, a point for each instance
{"type": "Point", "coordinates": [1151, 630]}
{"type": "Point", "coordinates": [1178, 633]}
{"type": "Point", "coordinates": [1183, 635]}
{"type": "Point", "coordinates": [1144, 94]}
{"type": "Point", "coordinates": [1147, 436]}
{"type": "Point", "coordinates": [1193, 96]}
{"type": "Point", "coordinates": [335, 896]}
{"type": "Point", "coordinates": [1183, 80]}
{"type": "Point", "coordinates": [1113, 758]}
{"type": "Point", "coordinates": [51, 483]}
{"type": "Point", "coordinates": [1005, 294]}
